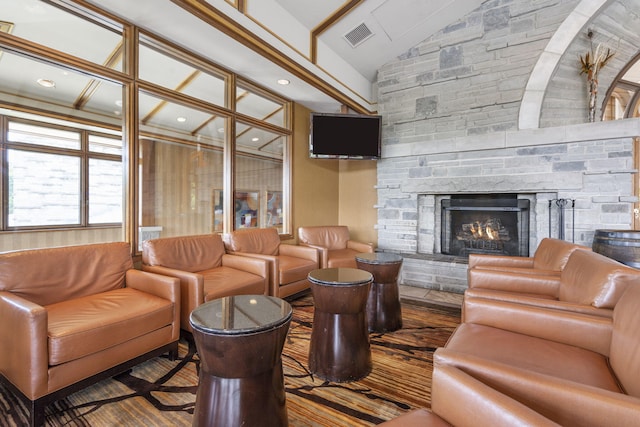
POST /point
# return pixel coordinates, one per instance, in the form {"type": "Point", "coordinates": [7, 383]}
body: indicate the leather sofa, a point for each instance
{"type": "Point", "coordinates": [205, 271]}
{"type": "Point", "coordinates": [544, 364]}
{"type": "Point", "coordinates": [589, 284]}
{"type": "Point", "coordinates": [71, 316]}
{"type": "Point", "coordinates": [289, 265]}
{"type": "Point", "coordinates": [334, 244]}
{"type": "Point", "coordinates": [593, 381]}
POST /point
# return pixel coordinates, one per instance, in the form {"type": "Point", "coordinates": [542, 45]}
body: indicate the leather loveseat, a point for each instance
{"type": "Point", "coordinates": [205, 271]}
{"type": "Point", "coordinates": [71, 316]}
{"type": "Point", "coordinates": [334, 245]}
{"type": "Point", "coordinates": [589, 283]}
{"type": "Point", "coordinates": [568, 367]}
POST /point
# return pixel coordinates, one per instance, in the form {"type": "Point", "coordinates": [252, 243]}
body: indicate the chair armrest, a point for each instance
{"type": "Point", "coordinates": [161, 286]}
{"type": "Point", "coordinates": [24, 359]}
{"type": "Point", "coordinates": [463, 400]}
{"type": "Point", "coordinates": [259, 267]}
{"type": "Point", "coordinates": [191, 289]}
{"type": "Point", "coordinates": [577, 329]}
{"type": "Point", "coordinates": [274, 267]}
{"type": "Point", "coordinates": [360, 246]}
{"type": "Point", "coordinates": [514, 282]}
{"type": "Point", "coordinates": [323, 254]}
{"type": "Point", "coordinates": [155, 284]}
{"type": "Point", "coordinates": [304, 252]}
{"type": "Point", "coordinates": [478, 260]}
{"type": "Point", "coordinates": [536, 300]}
{"type": "Point", "coordinates": [563, 401]}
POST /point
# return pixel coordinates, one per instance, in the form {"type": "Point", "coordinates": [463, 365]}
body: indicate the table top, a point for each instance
{"type": "Point", "coordinates": [379, 258]}
{"type": "Point", "coordinates": [340, 276]}
{"type": "Point", "coordinates": [241, 314]}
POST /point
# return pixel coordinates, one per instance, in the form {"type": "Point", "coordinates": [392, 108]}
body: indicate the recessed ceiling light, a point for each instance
{"type": "Point", "coordinates": [255, 139]}
{"type": "Point", "coordinates": [46, 83]}
{"type": "Point", "coordinates": [181, 119]}
{"type": "Point", "coordinates": [119, 103]}
{"type": "Point", "coordinates": [116, 112]}
{"type": "Point", "coordinates": [220, 130]}
{"type": "Point", "coordinates": [283, 82]}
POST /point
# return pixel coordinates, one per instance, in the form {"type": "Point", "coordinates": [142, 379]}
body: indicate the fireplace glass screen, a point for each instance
{"type": "Point", "coordinates": [486, 225]}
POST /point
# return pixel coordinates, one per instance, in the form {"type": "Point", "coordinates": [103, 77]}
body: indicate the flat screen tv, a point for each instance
{"type": "Point", "coordinates": [345, 136]}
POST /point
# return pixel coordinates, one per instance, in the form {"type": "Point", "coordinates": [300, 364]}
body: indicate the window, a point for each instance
{"type": "Point", "coordinates": [623, 100]}
{"type": "Point", "coordinates": [45, 169]}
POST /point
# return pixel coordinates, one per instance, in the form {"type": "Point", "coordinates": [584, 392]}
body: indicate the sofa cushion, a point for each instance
{"type": "Point", "coordinates": [87, 325]}
{"type": "Point", "coordinates": [625, 341]}
{"type": "Point", "coordinates": [593, 279]}
{"type": "Point", "coordinates": [263, 241]}
{"type": "Point", "coordinates": [225, 281]}
{"type": "Point", "coordinates": [328, 236]}
{"type": "Point", "coordinates": [553, 254]}
{"type": "Point", "coordinates": [186, 253]}
{"type": "Point", "coordinates": [64, 273]}
{"type": "Point", "coordinates": [533, 354]}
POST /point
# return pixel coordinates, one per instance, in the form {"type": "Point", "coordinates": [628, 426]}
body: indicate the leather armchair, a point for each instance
{"type": "Point", "coordinates": [289, 265]}
{"type": "Point", "coordinates": [71, 316]}
{"type": "Point", "coordinates": [461, 400]}
{"type": "Point", "coordinates": [550, 258]}
{"type": "Point", "coordinates": [205, 271]}
{"type": "Point", "coordinates": [334, 244]}
{"type": "Point", "coordinates": [589, 284]}
{"type": "Point", "coordinates": [590, 380]}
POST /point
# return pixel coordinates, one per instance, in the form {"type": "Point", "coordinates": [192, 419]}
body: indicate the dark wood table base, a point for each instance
{"type": "Point", "coordinates": [241, 382]}
{"type": "Point", "coordinates": [384, 311]}
{"type": "Point", "coordinates": [339, 349]}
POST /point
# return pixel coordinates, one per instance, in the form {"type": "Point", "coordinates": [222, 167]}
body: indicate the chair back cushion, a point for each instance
{"type": "Point", "coordinates": [186, 253]}
{"type": "Point", "coordinates": [553, 254]}
{"type": "Point", "coordinates": [332, 237]}
{"type": "Point", "coordinates": [263, 241]}
{"type": "Point", "coordinates": [48, 276]}
{"type": "Point", "coordinates": [624, 356]}
{"type": "Point", "coordinates": [593, 279]}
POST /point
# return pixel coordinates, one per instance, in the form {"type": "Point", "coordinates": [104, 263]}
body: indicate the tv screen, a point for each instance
{"type": "Point", "coordinates": [344, 136]}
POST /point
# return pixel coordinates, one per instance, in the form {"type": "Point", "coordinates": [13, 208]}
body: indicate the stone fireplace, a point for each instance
{"type": "Point", "coordinates": [511, 184]}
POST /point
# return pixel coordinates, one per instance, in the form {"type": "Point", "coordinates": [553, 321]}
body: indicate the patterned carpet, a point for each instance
{"type": "Point", "coordinates": [161, 392]}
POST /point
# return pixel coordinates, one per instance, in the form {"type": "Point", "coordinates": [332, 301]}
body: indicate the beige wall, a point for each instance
{"type": "Point", "coordinates": [329, 192]}
{"type": "Point", "coordinates": [357, 198]}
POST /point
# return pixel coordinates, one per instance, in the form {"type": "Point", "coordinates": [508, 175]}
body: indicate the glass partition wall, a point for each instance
{"type": "Point", "coordinates": [110, 133]}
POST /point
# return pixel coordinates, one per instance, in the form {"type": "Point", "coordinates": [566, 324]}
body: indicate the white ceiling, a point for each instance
{"type": "Point", "coordinates": [286, 25]}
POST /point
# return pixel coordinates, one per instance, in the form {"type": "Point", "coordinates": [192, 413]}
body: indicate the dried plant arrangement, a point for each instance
{"type": "Point", "coordinates": [591, 64]}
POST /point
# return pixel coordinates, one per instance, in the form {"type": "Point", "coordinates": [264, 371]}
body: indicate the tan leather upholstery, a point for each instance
{"type": "Point", "coordinates": [560, 374]}
{"type": "Point", "coordinates": [289, 265]}
{"type": "Point", "coordinates": [205, 271]}
{"type": "Point", "coordinates": [590, 283]}
{"type": "Point", "coordinates": [550, 258]}
{"type": "Point", "coordinates": [333, 242]}
{"type": "Point", "coordinates": [461, 400]}
{"type": "Point", "coordinates": [69, 313]}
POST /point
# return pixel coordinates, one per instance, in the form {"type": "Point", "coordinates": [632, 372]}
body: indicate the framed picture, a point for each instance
{"type": "Point", "coordinates": [217, 211]}
{"type": "Point", "coordinates": [274, 209]}
{"type": "Point", "coordinates": [247, 208]}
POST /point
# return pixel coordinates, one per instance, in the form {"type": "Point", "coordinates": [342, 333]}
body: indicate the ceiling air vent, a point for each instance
{"type": "Point", "coordinates": [358, 35]}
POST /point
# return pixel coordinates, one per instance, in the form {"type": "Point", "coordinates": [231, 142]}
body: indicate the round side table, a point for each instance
{"type": "Point", "coordinates": [339, 349]}
{"type": "Point", "coordinates": [383, 306]}
{"type": "Point", "coordinates": [239, 341]}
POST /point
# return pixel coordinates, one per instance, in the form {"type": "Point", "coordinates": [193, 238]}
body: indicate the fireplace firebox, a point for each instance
{"type": "Point", "coordinates": [486, 224]}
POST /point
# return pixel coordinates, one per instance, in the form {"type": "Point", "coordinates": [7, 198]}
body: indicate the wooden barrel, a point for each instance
{"type": "Point", "coordinates": [621, 245]}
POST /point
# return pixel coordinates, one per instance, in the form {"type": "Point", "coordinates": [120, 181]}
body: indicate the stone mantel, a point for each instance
{"type": "Point", "coordinates": [628, 128]}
